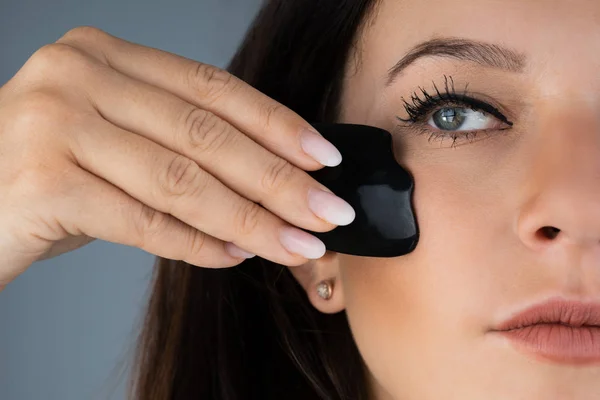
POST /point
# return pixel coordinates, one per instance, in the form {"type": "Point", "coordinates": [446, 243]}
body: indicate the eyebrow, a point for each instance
{"type": "Point", "coordinates": [486, 54]}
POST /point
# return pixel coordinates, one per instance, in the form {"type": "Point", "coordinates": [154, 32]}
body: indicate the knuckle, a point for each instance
{"type": "Point", "coordinates": [277, 175]}
{"type": "Point", "coordinates": [147, 223]}
{"type": "Point", "coordinates": [204, 131]}
{"type": "Point", "coordinates": [203, 252]}
{"type": "Point", "coordinates": [182, 177]}
{"type": "Point", "coordinates": [197, 244]}
{"type": "Point", "coordinates": [211, 82]}
{"type": "Point", "coordinates": [269, 113]}
{"type": "Point", "coordinates": [247, 219]}
{"type": "Point", "coordinates": [82, 34]}
{"type": "Point", "coordinates": [54, 58]}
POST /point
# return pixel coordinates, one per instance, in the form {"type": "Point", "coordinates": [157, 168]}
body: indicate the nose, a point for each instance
{"type": "Point", "coordinates": [562, 201]}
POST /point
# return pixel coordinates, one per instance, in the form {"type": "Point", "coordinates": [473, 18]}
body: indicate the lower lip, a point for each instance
{"type": "Point", "coordinates": [558, 343]}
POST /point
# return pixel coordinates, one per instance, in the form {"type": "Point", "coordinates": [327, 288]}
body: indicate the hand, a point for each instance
{"type": "Point", "coordinates": [103, 138]}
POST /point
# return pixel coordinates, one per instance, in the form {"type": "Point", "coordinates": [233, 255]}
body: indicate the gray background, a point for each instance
{"type": "Point", "coordinates": [67, 325]}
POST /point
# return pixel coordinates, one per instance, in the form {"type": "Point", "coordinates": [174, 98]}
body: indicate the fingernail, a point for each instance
{"type": "Point", "coordinates": [237, 252]}
{"type": "Point", "coordinates": [320, 148]}
{"type": "Point", "coordinates": [330, 207]}
{"type": "Point", "coordinates": [299, 242]}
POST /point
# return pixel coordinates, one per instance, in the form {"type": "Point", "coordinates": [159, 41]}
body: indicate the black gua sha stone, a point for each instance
{"type": "Point", "coordinates": [376, 186]}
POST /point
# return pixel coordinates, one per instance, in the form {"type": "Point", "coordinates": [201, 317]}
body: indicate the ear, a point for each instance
{"type": "Point", "coordinates": [312, 273]}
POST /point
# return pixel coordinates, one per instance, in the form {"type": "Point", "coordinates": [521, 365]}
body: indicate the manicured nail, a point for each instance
{"type": "Point", "coordinates": [320, 148]}
{"type": "Point", "coordinates": [237, 252]}
{"type": "Point", "coordinates": [302, 243]}
{"type": "Point", "coordinates": [330, 207]}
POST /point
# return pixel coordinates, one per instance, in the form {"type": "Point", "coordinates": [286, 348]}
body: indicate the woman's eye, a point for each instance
{"type": "Point", "coordinates": [463, 119]}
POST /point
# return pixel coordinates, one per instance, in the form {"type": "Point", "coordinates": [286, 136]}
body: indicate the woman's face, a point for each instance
{"type": "Point", "coordinates": [484, 194]}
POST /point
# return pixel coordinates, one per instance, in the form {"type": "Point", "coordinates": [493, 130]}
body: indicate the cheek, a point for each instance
{"type": "Point", "coordinates": [412, 309]}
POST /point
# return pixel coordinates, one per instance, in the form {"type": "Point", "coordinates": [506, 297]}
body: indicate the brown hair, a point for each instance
{"type": "Point", "coordinates": [249, 332]}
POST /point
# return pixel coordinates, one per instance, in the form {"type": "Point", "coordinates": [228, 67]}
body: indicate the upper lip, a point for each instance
{"type": "Point", "coordinates": [555, 311]}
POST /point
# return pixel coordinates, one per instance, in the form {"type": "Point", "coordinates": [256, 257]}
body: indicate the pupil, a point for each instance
{"type": "Point", "coordinates": [448, 119]}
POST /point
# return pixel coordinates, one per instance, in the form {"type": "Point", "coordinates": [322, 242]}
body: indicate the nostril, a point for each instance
{"type": "Point", "coordinates": [548, 232]}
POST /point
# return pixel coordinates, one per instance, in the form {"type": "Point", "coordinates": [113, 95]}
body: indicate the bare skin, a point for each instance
{"type": "Point", "coordinates": [103, 138]}
{"type": "Point", "coordinates": [422, 322]}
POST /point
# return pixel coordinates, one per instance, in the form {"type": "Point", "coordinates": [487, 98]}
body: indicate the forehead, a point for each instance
{"type": "Point", "coordinates": [559, 38]}
{"type": "Point", "coordinates": [542, 28]}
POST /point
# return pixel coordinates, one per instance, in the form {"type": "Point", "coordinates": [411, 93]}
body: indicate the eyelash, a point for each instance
{"type": "Point", "coordinates": [419, 110]}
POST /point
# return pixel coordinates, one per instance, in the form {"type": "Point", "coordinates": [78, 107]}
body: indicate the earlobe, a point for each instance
{"type": "Point", "coordinates": [321, 281]}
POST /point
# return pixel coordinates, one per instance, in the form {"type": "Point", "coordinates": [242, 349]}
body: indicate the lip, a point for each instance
{"type": "Point", "coordinates": [560, 331]}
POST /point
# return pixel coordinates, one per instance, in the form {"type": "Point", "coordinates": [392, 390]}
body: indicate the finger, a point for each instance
{"type": "Point", "coordinates": [216, 146]}
{"type": "Point", "coordinates": [98, 209]}
{"type": "Point", "coordinates": [268, 122]}
{"type": "Point", "coordinates": [175, 185]}
{"type": "Point", "coordinates": [66, 245]}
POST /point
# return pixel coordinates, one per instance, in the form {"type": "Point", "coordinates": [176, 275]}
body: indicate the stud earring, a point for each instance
{"type": "Point", "coordinates": [325, 290]}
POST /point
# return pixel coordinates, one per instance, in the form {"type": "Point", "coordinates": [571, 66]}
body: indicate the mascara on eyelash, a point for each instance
{"type": "Point", "coordinates": [422, 107]}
